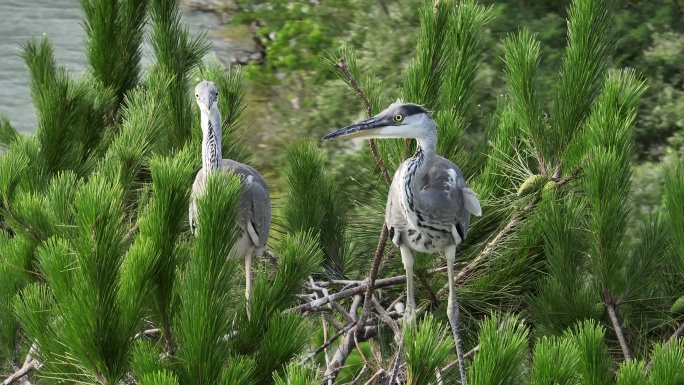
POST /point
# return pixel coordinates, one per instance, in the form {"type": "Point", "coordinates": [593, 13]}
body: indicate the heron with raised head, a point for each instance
{"type": "Point", "coordinates": [428, 205]}
{"type": "Point", "coordinates": [254, 218]}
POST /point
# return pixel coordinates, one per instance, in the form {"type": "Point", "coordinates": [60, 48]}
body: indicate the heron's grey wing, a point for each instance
{"type": "Point", "coordinates": [197, 189]}
{"type": "Point", "coordinates": [255, 206]}
{"type": "Point", "coordinates": [445, 200]}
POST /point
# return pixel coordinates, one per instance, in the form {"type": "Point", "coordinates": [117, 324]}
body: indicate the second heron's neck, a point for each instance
{"type": "Point", "coordinates": [211, 140]}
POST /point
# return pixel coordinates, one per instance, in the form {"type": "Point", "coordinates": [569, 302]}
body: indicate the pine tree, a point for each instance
{"type": "Point", "coordinates": [102, 282]}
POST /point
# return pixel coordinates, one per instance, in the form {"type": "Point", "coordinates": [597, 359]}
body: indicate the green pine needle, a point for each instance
{"type": "Point", "coordinates": [428, 344]}
{"type": "Point", "coordinates": [114, 35]}
{"type": "Point", "coordinates": [8, 134]}
{"type": "Point", "coordinates": [296, 374]}
{"type": "Point", "coordinates": [668, 363]}
{"type": "Point", "coordinates": [239, 371]}
{"type": "Point", "coordinates": [673, 197]}
{"type": "Point", "coordinates": [594, 367]}
{"type": "Point", "coordinates": [159, 378]}
{"type": "Point", "coordinates": [554, 362]}
{"type": "Point", "coordinates": [503, 345]}
{"type": "Point", "coordinates": [204, 286]}
{"type": "Point", "coordinates": [318, 210]}
{"type": "Point", "coordinates": [632, 373]}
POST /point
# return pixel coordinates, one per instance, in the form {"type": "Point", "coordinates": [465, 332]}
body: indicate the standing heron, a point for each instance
{"type": "Point", "coordinates": [254, 219]}
{"type": "Point", "coordinates": [428, 205]}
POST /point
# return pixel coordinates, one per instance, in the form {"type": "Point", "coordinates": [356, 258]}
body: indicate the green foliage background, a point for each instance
{"type": "Point", "coordinates": [569, 277]}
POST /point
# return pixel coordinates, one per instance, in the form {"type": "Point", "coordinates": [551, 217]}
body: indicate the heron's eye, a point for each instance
{"type": "Point", "coordinates": [217, 94]}
{"type": "Point", "coordinates": [197, 95]}
{"type": "Point", "coordinates": [398, 117]}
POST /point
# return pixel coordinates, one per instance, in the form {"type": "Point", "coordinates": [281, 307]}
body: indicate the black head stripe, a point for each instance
{"type": "Point", "coordinates": [412, 109]}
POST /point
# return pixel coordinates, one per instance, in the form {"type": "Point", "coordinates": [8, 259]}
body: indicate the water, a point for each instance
{"type": "Point", "coordinates": [61, 21]}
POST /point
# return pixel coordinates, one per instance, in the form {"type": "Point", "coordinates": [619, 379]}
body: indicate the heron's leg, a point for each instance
{"type": "Point", "coordinates": [452, 310]}
{"type": "Point", "coordinates": [407, 258]}
{"type": "Point", "coordinates": [248, 279]}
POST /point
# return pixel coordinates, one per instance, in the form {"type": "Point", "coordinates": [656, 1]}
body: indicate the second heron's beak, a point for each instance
{"type": "Point", "coordinates": [369, 128]}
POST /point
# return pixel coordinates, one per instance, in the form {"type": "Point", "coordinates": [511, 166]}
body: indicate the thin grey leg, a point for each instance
{"type": "Point", "coordinates": [453, 312]}
{"type": "Point", "coordinates": [407, 259]}
{"type": "Point", "coordinates": [248, 279]}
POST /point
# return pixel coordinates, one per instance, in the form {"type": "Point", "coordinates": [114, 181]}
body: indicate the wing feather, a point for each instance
{"type": "Point", "coordinates": [255, 205]}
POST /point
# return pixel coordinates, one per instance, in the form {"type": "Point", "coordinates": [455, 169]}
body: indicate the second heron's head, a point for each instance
{"type": "Point", "coordinates": [399, 120]}
{"type": "Point", "coordinates": [206, 95]}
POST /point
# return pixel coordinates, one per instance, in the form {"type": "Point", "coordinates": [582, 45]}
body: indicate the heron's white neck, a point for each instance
{"type": "Point", "coordinates": [426, 150]}
{"type": "Point", "coordinates": [211, 140]}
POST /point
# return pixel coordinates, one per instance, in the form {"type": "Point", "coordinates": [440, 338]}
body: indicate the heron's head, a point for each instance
{"type": "Point", "coordinates": [399, 120]}
{"type": "Point", "coordinates": [206, 95]}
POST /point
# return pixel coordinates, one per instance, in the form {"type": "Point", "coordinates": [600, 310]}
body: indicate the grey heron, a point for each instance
{"type": "Point", "coordinates": [428, 205]}
{"type": "Point", "coordinates": [254, 219]}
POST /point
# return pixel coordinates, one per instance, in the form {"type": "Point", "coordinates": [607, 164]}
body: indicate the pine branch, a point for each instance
{"type": "Point", "coordinates": [168, 336]}
{"type": "Point", "coordinates": [570, 177]}
{"type": "Point", "coordinates": [375, 376]}
{"type": "Point", "coordinates": [355, 85]}
{"type": "Point", "coordinates": [677, 333]}
{"type": "Point", "coordinates": [345, 348]}
{"type": "Point", "coordinates": [32, 232]}
{"type": "Point", "coordinates": [490, 247]}
{"type": "Point", "coordinates": [385, 317]}
{"type": "Point", "coordinates": [148, 332]}
{"type": "Point", "coordinates": [610, 306]}
{"type": "Point", "coordinates": [328, 342]}
{"type": "Point", "coordinates": [26, 369]}
{"type": "Point", "coordinates": [360, 375]}
{"type": "Point", "coordinates": [373, 275]}
{"type": "Point", "coordinates": [347, 293]}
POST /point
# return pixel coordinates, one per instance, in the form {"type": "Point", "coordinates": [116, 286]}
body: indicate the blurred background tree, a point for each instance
{"type": "Point", "coordinates": [299, 96]}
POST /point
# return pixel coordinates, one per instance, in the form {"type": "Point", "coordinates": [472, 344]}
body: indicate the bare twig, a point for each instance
{"type": "Point", "coordinates": [466, 355]}
{"type": "Point", "coordinates": [469, 353]}
{"type": "Point", "coordinates": [148, 332]}
{"type": "Point", "coordinates": [28, 367]}
{"type": "Point", "coordinates": [373, 275]}
{"type": "Point", "coordinates": [348, 282]}
{"type": "Point", "coordinates": [32, 351]}
{"type": "Point", "coordinates": [570, 177]}
{"type": "Point", "coordinates": [385, 317]}
{"type": "Point", "coordinates": [335, 322]}
{"type": "Point", "coordinates": [345, 348]}
{"type": "Point", "coordinates": [677, 333]}
{"type": "Point", "coordinates": [376, 375]}
{"type": "Point", "coordinates": [366, 104]}
{"type": "Point", "coordinates": [610, 306]}
{"type": "Point", "coordinates": [354, 308]}
{"type": "Point", "coordinates": [168, 336]}
{"type": "Point", "coordinates": [325, 339]}
{"type": "Point", "coordinates": [362, 286]}
{"type": "Point", "coordinates": [328, 342]}
{"type": "Point", "coordinates": [348, 317]}
{"type": "Point", "coordinates": [358, 376]}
